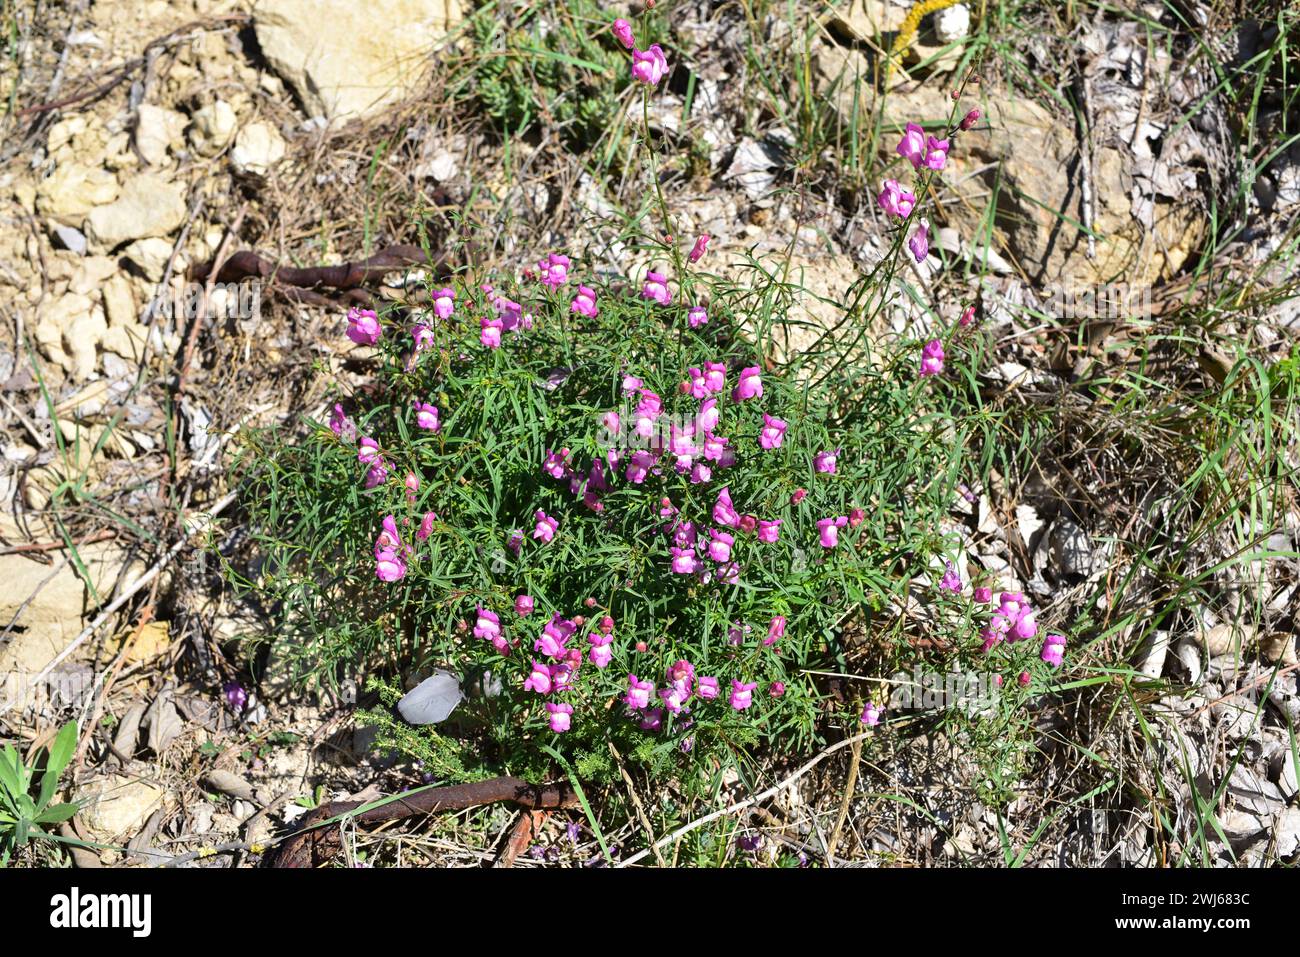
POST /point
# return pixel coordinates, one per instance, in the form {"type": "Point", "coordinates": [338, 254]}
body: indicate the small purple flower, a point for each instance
{"type": "Point", "coordinates": [235, 695]}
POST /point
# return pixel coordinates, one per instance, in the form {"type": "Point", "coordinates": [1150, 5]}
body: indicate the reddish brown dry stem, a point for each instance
{"type": "Point", "coordinates": [317, 843]}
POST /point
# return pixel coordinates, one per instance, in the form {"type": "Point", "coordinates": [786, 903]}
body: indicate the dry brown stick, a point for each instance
{"type": "Point", "coordinates": [849, 786]}
{"type": "Point", "coordinates": [636, 804]}
{"type": "Point", "coordinates": [247, 264]}
{"type": "Point", "coordinates": [318, 840]}
{"type": "Point", "coordinates": [100, 536]}
{"type": "Point", "coordinates": [192, 337]}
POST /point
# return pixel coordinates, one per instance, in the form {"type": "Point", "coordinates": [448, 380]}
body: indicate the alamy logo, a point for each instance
{"type": "Point", "coordinates": [75, 910]}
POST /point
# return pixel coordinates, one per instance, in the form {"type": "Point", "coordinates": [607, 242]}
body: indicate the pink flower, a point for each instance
{"type": "Point", "coordinates": [775, 630]}
{"type": "Point", "coordinates": [388, 536]}
{"type": "Point", "coordinates": [707, 688]}
{"type": "Point", "coordinates": [700, 473]}
{"type": "Point", "coordinates": [936, 153]}
{"type": "Point", "coordinates": [638, 466]}
{"type": "Point", "coordinates": [554, 464]}
{"type": "Point", "coordinates": [970, 119]}
{"type": "Point", "coordinates": [684, 535]}
{"type": "Point", "coordinates": [652, 720]}
{"type": "Point", "coordinates": [776, 689]}
{"type": "Point", "coordinates": [684, 561]}
{"type": "Point", "coordinates": [742, 694]}
{"type": "Point", "coordinates": [856, 517]}
{"type": "Point", "coordinates": [895, 200]}
{"type": "Point", "coordinates": [422, 335]}
{"type": "Point", "coordinates": [546, 526]}
{"type": "Point", "coordinates": [697, 316]}
{"type": "Point", "coordinates": [950, 581]}
{"type": "Point", "coordinates": [700, 248]}
{"type": "Point", "coordinates": [602, 649]}
{"type": "Point", "coordinates": [426, 527]}
{"type": "Point", "coordinates": [1023, 679]}
{"type": "Point", "coordinates": [1054, 650]}
{"type": "Point", "coordinates": [715, 376]}
{"type": "Point", "coordinates": [871, 714]}
{"type": "Point", "coordinates": [631, 384]}
{"type": "Point", "coordinates": [772, 433]}
{"type": "Point", "coordinates": [560, 715]}
{"type": "Point", "coordinates": [720, 546]}
{"type": "Point", "coordinates": [490, 332]}
{"type": "Point", "coordinates": [444, 303]}
{"type": "Point", "coordinates": [798, 495]}
{"type": "Point", "coordinates": [516, 540]}
{"type": "Point", "coordinates": [555, 636]}
{"type": "Point", "coordinates": [825, 462]}
{"type": "Point", "coordinates": [508, 311]}
{"type": "Point", "coordinates": [750, 385]}
{"type": "Point", "coordinates": [932, 356]}
{"type": "Point", "coordinates": [584, 303]}
{"type": "Point", "coordinates": [487, 625]}
{"type": "Point", "coordinates": [524, 605]}
{"type": "Point", "coordinates": [1014, 618]}
{"type": "Point", "coordinates": [674, 696]}
{"type": "Point", "coordinates": [707, 420]}
{"type": "Point", "coordinates": [714, 447]}
{"type": "Point", "coordinates": [724, 513]}
{"type": "Point", "coordinates": [368, 451]}
{"type": "Point", "coordinates": [769, 530]}
{"type": "Point", "coordinates": [341, 425]}
{"type": "Point", "coordinates": [363, 326]}
{"type": "Point", "coordinates": [426, 416]}
{"type": "Point", "coordinates": [539, 679]}
{"type": "Point", "coordinates": [638, 692]}
{"type": "Point", "coordinates": [967, 316]}
{"type": "Point", "coordinates": [412, 483]}
{"type": "Point", "coordinates": [623, 30]}
{"type": "Point", "coordinates": [828, 529]}
{"type": "Point", "coordinates": [555, 270]}
{"type": "Point", "coordinates": [983, 595]}
{"type": "Point", "coordinates": [912, 146]}
{"type": "Point", "coordinates": [656, 288]}
{"type": "Point", "coordinates": [649, 66]}
{"type": "Point", "coordinates": [377, 475]}
{"type": "Point", "coordinates": [920, 242]}
{"type": "Point", "coordinates": [389, 565]}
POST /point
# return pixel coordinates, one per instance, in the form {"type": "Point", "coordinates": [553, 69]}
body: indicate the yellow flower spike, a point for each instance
{"type": "Point", "coordinates": [907, 31]}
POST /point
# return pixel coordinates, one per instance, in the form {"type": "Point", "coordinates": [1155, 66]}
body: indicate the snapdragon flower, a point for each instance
{"type": "Point", "coordinates": [546, 526]}
{"type": "Point", "coordinates": [555, 465]}
{"type": "Point", "coordinates": [715, 447]}
{"type": "Point", "coordinates": [652, 719]}
{"type": "Point", "coordinates": [775, 630]}
{"type": "Point", "coordinates": [825, 462]}
{"type": "Point", "coordinates": [829, 530]}
{"type": "Point", "coordinates": [970, 119]}
{"type": "Point", "coordinates": [709, 415]}
{"type": "Point", "coordinates": [649, 66]}
{"type": "Point", "coordinates": [555, 270]}
{"type": "Point", "coordinates": [912, 146]}
{"type": "Point", "coordinates": [932, 356]}
{"type": "Point", "coordinates": [638, 466]}
{"type": "Point", "coordinates": [656, 288]}
{"type": "Point", "coordinates": [773, 431]}
{"type": "Point", "coordinates": [426, 526]}
{"type": "Point", "coordinates": [697, 316]}
{"type": "Point", "coordinates": [750, 385]}
{"type": "Point", "coordinates": [776, 689]}
{"type": "Point", "coordinates": [623, 30]}
{"type": "Point", "coordinates": [377, 475]}
{"type": "Point", "coordinates": [895, 200]}
{"type": "Point", "coordinates": [707, 687]}
{"type": "Point", "coordinates": [584, 303]}
{"type": "Point", "coordinates": [1054, 650]}
{"type": "Point", "coordinates": [490, 332]}
{"type": "Point", "coordinates": [871, 714]}
{"type": "Point", "coordinates": [1014, 618]}
{"type": "Point", "coordinates": [919, 244]}
{"type": "Point", "coordinates": [444, 302]}
{"type": "Point", "coordinates": [936, 153]}
{"type": "Point", "coordinates": [390, 566]}
{"type": "Point", "coordinates": [724, 513]}
{"type": "Point", "coordinates": [769, 530]}
{"type": "Point", "coordinates": [426, 416]}
{"type": "Point", "coordinates": [684, 561]}
{"type": "Point", "coordinates": [368, 451]}
{"type": "Point", "coordinates": [700, 248]}
{"type": "Point", "coordinates": [742, 694]}
{"type": "Point", "coordinates": [363, 326]}
{"type": "Point", "coordinates": [539, 678]}
{"type": "Point", "coordinates": [524, 605]}
{"type": "Point", "coordinates": [638, 692]}
{"type": "Point", "coordinates": [951, 581]}
{"type": "Point", "coordinates": [720, 546]}
{"type": "Point", "coordinates": [983, 595]}
{"type": "Point", "coordinates": [560, 716]}
{"type": "Point", "coordinates": [602, 649]}
{"type": "Point", "coordinates": [341, 425]}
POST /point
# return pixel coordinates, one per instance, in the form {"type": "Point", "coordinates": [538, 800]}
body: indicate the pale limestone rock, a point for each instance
{"type": "Point", "coordinates": [149, 206]}
{"type": "Point", "coordinates": [157, 129]}
{"type": "Point", "coordinates": [346, 59]}
{"type": "Point", "coordinates": [72, 191]}
{"type": "Point", "coordinates": [151, 256]}
{"type": "Point", "coordinates": [214, 128]}
{"type": "Point", "coordinates": [258, 147]}
{"type": "Point", "coordinates": [119, 302]}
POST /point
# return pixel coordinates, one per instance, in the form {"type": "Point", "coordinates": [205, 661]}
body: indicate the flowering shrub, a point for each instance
{"type": "Point", "coordinates": [607, 509]}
